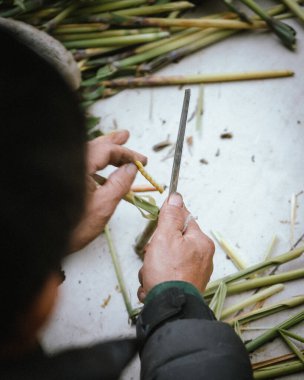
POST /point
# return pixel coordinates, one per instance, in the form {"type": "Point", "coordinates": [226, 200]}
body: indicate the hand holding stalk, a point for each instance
{"type": "Point", "coordinates": [103, 200]}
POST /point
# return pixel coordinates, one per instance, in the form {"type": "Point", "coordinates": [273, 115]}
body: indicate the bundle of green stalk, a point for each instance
{"type": "Point", "coordinates": [254, 279]}
{"type": "Point", "coordinates": [116, 41]}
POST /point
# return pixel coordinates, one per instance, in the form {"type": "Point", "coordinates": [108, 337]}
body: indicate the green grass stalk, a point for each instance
{"type": "Point", "coordinates": [202, 23]}
{"type": "Point", "coordinates": [150, 10]}
{"type": "Point", "coordinates": [229, 250]}
{"type": "Point", "coordinates": [274, 261]}
{"type": "Point", "coordinates": [17, 10]}
{"type": "Point", "coordinates": [143, 239]}
{"type": "Point", "coordinates": [149, 81]}
{"type": "Point", "coordinates": [286, 335]}
{"type": "Point", "coordinates": [283, 31]}
{"type": "Point", "coordinates": [266, 293]}
{"type": "Point", "coordinates": [176, 55]}
{"type": "Point", "coordinates": [51, 24]}
{"type": "Point", "coordinates": [115, 41]}
{"type": "Point", "coordinates": [278, 370]}
{"type": "Point", "coordinates": [107, 33]}
{"type": "Point", "coordinates": [79, 28]}
{"type": "Point", "coordinates": [272, 333]}
{"type": "Point", "coordinates": [118, 272]}
{"type": "Point", "coordinates": [260, 282]}
{"type": "Point", "coordinates": [267, 310]}
{"type": "Point", "coordinates": [218, 300]}
{"type": "Point", "coordinates": [295, 8]}
{"type": "Point", "coordinates": [133, 199]}
{"type": "Point", "coordinates": [110, 6]}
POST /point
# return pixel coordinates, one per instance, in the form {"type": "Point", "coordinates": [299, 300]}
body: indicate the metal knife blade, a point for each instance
{"type": "Point", "coordinates": [179, 143]}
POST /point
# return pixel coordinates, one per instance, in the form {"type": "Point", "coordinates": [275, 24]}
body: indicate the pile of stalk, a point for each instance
{"type": "Point", "coordinates": [262, 280]}
{"type": "Point", "coordinates": [263, 285]}
{"type": "Point", "coordinates": [120, 44]}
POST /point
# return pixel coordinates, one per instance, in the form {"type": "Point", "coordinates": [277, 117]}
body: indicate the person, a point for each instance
{"type": "Point", "coordinates": [50, 207]}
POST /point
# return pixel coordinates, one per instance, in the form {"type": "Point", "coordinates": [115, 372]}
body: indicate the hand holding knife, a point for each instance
{"type": "Point", "coordinates": [151, 226]}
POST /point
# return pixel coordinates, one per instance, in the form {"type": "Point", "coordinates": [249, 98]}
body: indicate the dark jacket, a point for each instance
{"type": "Point", "coordinates": [178, 338]}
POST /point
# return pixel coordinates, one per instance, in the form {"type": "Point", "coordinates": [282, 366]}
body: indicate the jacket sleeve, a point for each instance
{"type": "Point", "coordinates": [182, 340]}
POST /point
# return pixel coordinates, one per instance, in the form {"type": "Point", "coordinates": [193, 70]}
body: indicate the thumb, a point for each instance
{"type": "Point", "coordinates": [119, 183]}
{"type": "Point", "coordinates": [172, 215]}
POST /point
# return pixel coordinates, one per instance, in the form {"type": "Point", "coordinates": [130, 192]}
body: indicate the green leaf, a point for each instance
{"type": "Point", "coordinates": [20, 4]}
{"type": "Point", "coordinates": [237, 329]}
{"type": "Point", "coordinates": [285, 32]}
{"type": "Point", "coordinates": [106, 72]}
{"type": "Point", "coordinates": [138, 203]}
{"type": "Point", "coordinates": [271, 334]}
{"type": "Point", "coordinates": [92, 122]}
{"type": "Point", "coordinates": [95, 94]}
{"type": "Point", "coordinates": [218, 300]}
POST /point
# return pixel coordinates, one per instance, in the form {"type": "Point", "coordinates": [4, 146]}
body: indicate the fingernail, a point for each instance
{"type": "Point", "coordinates": [176, 200]}
{"type": "Point", "coordinates": [131, 168]}
{"type": "Point", "coordinates": [144, 160]}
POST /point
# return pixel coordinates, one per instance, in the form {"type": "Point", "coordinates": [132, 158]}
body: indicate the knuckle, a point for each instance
{"type": "Point", "coordinates": [118, 187]}
{"type": "Point", "coordinates": [173, 215]}
{"type": "Point", "coordinates": [211, 246]}
{"type": "Point", "coordinates": [207, 244]}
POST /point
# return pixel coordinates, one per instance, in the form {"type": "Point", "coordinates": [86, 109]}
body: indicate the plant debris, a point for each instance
{"type": "Point", "coordinates": [162, 145]}
{"type": "Point", "coordinates": [226, 135]}
{"type": "Point", "coordinates": [203, 161]}
{"type": "Point", "coordinates": [106, 301]}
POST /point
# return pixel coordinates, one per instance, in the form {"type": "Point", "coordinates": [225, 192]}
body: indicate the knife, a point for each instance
{"type": "Point", "coordinates": [179, 143]}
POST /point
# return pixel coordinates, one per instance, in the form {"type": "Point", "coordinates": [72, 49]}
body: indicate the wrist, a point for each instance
{"type": "Point", "coordinates": [170, 301]}
{"type": "Point", "coordinates": [187, 287]}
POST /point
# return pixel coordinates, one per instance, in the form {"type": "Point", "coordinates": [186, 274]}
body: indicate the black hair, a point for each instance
{"type": "Point", "coordinates": [42, 174]}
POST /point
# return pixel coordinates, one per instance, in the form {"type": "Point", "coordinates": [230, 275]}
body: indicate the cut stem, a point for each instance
{"type": "Point", "coordinates": [218, 300]}
{"type": "Point", "coordinates": [229, 250]}
{"type": "Point", "coordinates": [254, 283]}
{"type": "Point", "coordinates": [273, 333]}
{"type": "Point", "coordinates": [281, 259]}
{"type": "Point", "coordinates": [267, 310]}
{"type": "Point", "coordinates": [118, 272]}
{"type": "Point", "coordinates": [149, 81]}
{"type": "Point", "coordinates": [272, 361]}
{"type": "Point", "coordinates": [142, 189]}
{"type": "Point", "coordinates": [143, 239]}
{"type": "Point", "coordinates": [295, 8]}
{"type": "Point", "coordinates": [120, 15]}
{"type": "Point", "coordinates": [115, 41]}
{"type": "Point", "coordinates": [202, 23]}
{"type": "Point", "coordinates": [134, 199]}
{"type": "Point", "coordinates": [145, 174]}
{"type": "Point", "coordinates": [278, 370]}
{"type": "Point", "coordinates": [60, 17]}
{"type": "Point", "coordinates": [266, 293]}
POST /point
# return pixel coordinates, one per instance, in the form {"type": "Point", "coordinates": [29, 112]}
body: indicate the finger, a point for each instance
{"type": "Point", "coordinates": [116, 137]}
{"type": "Point", "coordinates": [116, 187]}
{"type": "Point", "coordinates": [140, 276]}
{"type": "Point", "coordinates": [172, 215]}
{"type": "Point", "coordinates": [112, 154]}
{"type": "Point", "coordinates": [141, 294]}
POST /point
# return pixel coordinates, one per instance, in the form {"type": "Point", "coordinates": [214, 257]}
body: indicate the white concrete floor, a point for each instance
{"type": "Point", "coordinates": [244, 193]}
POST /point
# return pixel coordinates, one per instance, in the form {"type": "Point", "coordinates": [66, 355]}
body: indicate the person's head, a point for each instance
{"type": "Point", "coordinates": [42, 173]}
